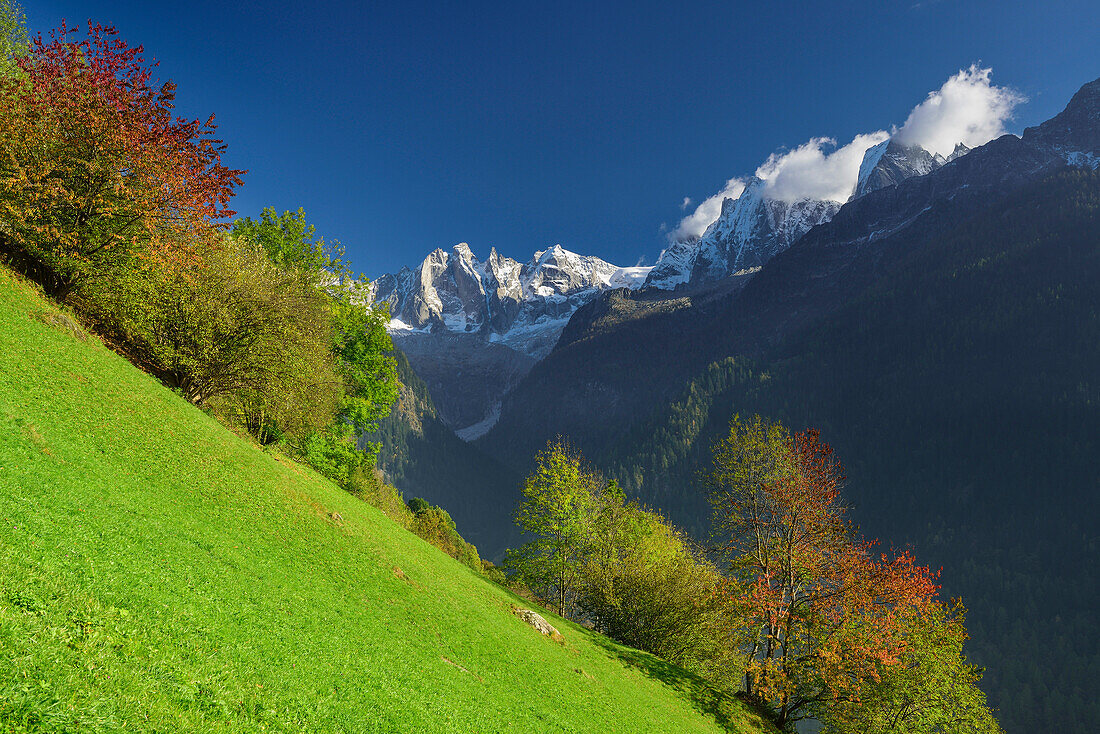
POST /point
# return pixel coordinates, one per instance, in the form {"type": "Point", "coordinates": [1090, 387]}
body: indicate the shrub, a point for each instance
{"type": "Point", "coordinates": [230, 330]}
{"type": "Point", "coordinates": [494, 573]}
{"type": "Point", "coordinates": [434, 524]}
{"type": "Point", "coordinates": [646, 586]}
{"type": "Point", "coordinates": [419, 504]}
{"type": "Point", "coordinates": [366, 484]}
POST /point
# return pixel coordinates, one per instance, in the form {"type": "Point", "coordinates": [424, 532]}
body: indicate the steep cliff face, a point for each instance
{"type": "Point", "coordinates": [1074, 133]}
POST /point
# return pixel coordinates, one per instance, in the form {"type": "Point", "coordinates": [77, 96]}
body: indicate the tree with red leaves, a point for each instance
{"type": "Point", "coordinates": [95, 171]}
{"type": "Point", "coordinates": [824, 615]}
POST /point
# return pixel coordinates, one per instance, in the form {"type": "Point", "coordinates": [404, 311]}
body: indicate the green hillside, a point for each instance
{"type": "Point", "coordinates": [158, 573]}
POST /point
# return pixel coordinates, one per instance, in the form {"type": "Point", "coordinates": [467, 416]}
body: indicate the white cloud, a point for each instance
{"type": "Point", "coordinates": [809, 172]}
{"type": "Point", "coordinates": [694, 224]}
{"type": "Point", "coordinates": [685, 203]}
{"type": "Point", "coordinates": [967, 109]}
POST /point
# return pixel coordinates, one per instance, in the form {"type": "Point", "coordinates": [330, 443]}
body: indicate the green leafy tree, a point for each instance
{"type": "Point", "coordinates": [599, 559]}
{"type": "Point", "coordinates": [932, 689]}
{"type": "Point", "coordinates": [359, 339]}
{"type": "Point", "coordinates": [753, 456]}
{"type": "Point", "coordinates": [332, 452]}
{"type": "Point", "coordinates": [231, 331]}
{"type": "Point", "coordinates": [418, 504]}
{"type": "Point", "coordinates": [369, 371]}
{"type": "Point", "coordinates": [559, 502]}
{"type": "Point", "coordinates": [292, 243]}
{"type": "Point", "coordinates": [367, 484]}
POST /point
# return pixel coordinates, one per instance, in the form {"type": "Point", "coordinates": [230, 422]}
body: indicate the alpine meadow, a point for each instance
{"type": "Point", "coordinates": [821, 456]}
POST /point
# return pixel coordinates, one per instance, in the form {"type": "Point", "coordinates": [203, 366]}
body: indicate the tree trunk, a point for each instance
{"type": "Point", "coordinates": [54, 284]}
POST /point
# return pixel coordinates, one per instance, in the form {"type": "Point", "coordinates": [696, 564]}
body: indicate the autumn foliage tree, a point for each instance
{"type": "Point", "coordinates": [825, 619]}
{"type": "Point", "coordinates": [95, 170]}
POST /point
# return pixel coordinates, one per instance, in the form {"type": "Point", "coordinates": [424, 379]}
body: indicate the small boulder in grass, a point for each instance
{"type": "Point", "coordinates": [537, 621]}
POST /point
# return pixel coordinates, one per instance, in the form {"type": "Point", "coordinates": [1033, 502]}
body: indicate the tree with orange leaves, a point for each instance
{"type": "Point", "coordinates": [95, 171]}
{"type": "Point", "coordinates": [824, 616]}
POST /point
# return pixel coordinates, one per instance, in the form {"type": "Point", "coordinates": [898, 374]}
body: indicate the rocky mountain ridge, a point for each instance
{"type": "Point", "coordinates": [756, 226]}
{"type": "Point", "coordinates": [472, 329]}
{"type": "Point", "coordinates": [523, 306]}
{"type": "Point", "coordinates": [750, 230]}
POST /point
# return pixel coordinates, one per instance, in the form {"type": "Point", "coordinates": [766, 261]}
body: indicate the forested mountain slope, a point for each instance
{"type": "Point", "coordinates": [612, 377]}
{"type": "Point", "coordinates": [423, 458]}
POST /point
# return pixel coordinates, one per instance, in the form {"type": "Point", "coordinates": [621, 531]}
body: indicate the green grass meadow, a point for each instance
{"type": "Point", "coordinates": [159, 573]}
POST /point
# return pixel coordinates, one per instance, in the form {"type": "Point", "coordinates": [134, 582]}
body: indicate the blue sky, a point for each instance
{"type": "Point", "coordinates": [405, 126]}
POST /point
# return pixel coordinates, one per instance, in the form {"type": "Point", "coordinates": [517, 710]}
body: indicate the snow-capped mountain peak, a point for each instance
{"type": "Point", "coordinates": [891, 162]}
{"type": "Point", "coordinates": [755, 226]}
{"type": "Point", "coordinates": [750, 230]}
{"type": "Point", "coordinates": [959, 152]}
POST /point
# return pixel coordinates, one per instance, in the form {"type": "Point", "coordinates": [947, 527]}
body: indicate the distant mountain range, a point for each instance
{"type": "Point", "coordinates": [522, 306]}
{"type": "Point", "coordinates": [525, 306]}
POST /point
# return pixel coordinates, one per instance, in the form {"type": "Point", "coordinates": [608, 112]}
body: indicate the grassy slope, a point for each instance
{"type": "Point", "coordinates": [157, 573]}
